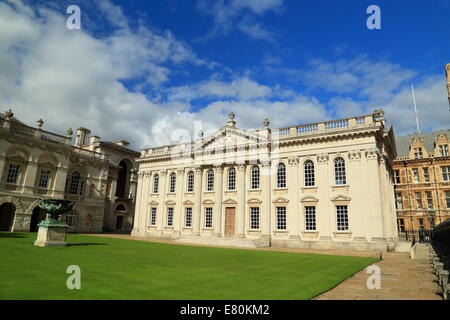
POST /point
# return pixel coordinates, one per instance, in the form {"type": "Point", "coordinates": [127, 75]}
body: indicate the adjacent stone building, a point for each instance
{"type": "Point", "coordinates": [318, 185]}
{"type": "Point", "coordinates": [422, 180]}
{"type": "Point", "coordinates": [99, 176]}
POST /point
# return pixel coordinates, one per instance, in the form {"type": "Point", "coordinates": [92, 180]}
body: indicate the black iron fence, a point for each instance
{"type": "Point", "coordinates": [420, 236]}
{"type": "Point", "coordinates": [441, 242]}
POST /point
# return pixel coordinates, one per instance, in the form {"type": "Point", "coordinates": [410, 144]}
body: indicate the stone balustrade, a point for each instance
{"type": "Point", "coordinates": [441, 273]}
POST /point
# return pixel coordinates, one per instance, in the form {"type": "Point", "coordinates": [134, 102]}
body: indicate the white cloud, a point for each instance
{"type": "Point", "coordinates": [229, 14]}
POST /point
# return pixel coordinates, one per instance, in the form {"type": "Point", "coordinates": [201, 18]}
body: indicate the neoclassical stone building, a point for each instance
{"type": "Point", "coordinates": [319, 185]}
{"type": "Point", "coordinates": [99, 176]}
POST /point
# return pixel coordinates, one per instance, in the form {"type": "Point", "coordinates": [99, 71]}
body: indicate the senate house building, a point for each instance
{"type": "Point", "coordinates": [318, 185]}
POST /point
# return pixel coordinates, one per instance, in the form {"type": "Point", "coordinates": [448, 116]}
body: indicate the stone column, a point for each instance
{"type": "Point", "coordinates": [266, 199]}
{"type": "Point", "coordinates": [178, 222]}
{"type": "Point", "coordinates": [294, 213]}
{"type": "Point", "coordinates": [30, 177]}
{"type": "Point", "coordinates": [241, 189]}
{"type": "Point", "coordinates": [373, 213]}
{"type": "Point", "coordinates": [161, 214]}
{"type": "Point", "coordinates": [137, 212]}
{"type": "Point", "coordinates": [60, 182]}
{"type": "Point", "coordinates": [197, 199]}
{"type": "Point", "coordinates": [218, 194]}
{"type": "Point", "coordinates": [324, 212]}
{"type": "Point", "coordinates": [143, 206]}
{"type": "Point", "coordinates": [2, 164]}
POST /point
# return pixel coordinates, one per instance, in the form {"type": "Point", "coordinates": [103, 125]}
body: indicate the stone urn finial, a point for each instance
{"type": "Point", "coordinates": [266, 123]}
{"type": "Point", "coordinates": [231, 121]}
{"type": "Point", "coordinates": [40, 123]}
{"type": "Point", "coordinates": [200, 134]}
{"type": "Point", "coordinates": [69, 132]}
{"type": "Point", "coordinates": [9, 114]}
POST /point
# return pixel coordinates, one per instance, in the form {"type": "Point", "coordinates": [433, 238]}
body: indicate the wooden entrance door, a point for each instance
{"type": "Point", "coordinates": [230, 222]}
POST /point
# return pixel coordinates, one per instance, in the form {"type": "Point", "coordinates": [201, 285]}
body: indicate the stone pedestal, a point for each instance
{"type": "Point", "coordinates": [419, 252]}
{"type": "Point", "coordinates": [52, 233]}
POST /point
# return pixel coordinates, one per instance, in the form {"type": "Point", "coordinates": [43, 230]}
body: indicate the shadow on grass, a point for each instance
{"type": "Point", "coordinates": [10, 235]}
{"type": "Point", "coordinates": [86, 244]}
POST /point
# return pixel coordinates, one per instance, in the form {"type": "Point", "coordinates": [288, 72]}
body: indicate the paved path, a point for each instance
{"type": "Point", "coordinates": [401, 277]}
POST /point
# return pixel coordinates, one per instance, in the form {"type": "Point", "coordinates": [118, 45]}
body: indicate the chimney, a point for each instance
{"type": "Point", "coordinates": [82, 137]}
{"type": "Point", "coordinates": [123, 143]}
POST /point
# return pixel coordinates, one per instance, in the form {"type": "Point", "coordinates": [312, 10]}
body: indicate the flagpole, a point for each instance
{"type": "Point", "coordinates": [415, 109]}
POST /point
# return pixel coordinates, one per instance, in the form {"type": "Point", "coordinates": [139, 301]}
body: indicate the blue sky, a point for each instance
{"type": "Point", "coordinates": [150, 71]}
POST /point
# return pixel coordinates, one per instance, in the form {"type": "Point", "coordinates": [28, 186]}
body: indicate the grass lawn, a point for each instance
{"type": "Point", "coordinates": [127, 269]}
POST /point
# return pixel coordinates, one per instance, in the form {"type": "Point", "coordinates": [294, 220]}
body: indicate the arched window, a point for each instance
{"type": "Point", "coordinates": [255, 178]}
{"type": "Point", "coordinates": [173, 181]}
{"type": "Point", "coordinates": [156, 183]}
{"type": "Point", "coordinates": [190, 182]}
{"type": "Point", "coordinates": [210, 181]}
{"type": "Point", "coordinates": [339, 171]}
{"type": "Point", "coordinates": [121, 179]}
{"type": "Point", "coordinates": [74, 183]}
{"type": "Point", "coordinates": [120, 207]}
{"type": "Point", "coordinates": [310, 180]}
{"type": "Point", "coordinates": [281, 175]}
{"type": "Point", "coordinates": [232, 179]}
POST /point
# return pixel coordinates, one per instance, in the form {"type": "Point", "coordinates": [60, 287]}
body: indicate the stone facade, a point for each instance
{"type": "Point", "coordinates": [320, 185]}
{"type": "Point", "coordinates": [422, 180]}
{"type": "Point", "coordinates": [36, 164]}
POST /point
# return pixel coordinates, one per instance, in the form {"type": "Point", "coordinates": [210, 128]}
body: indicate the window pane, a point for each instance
{"type": "Point", "coordinates": [310, 218]}
{"type": "Point", "coordinates": [188, 218]}
{"type": "Point", "coordinates": [309, 174]}
{"type": "Point", "coordinates": [254, 218]}
{"type": "Point", "coordinates": [339, 171]}
{"type": "Point", "coordinates": [210, 182]}
{"type": "Point", "coordinates": [255, 178]}
{"type": "Point", "coordinates": [208, 217]}
{"type": "Point", "coordinates": [281, 218]}
{"type": "Point", "coordinates": [342, 218]}
{"type": "Point", "coordinates": [281, 175]}
{"type": "Point", "coordinates": [13, 173]}
{"type": "Point", "coordinates": [232, 179]}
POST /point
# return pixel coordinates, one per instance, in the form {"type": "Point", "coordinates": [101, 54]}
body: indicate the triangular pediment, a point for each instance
{"type": "Point", "coordinates": [230, 201]}
{"type": "Point", "coordinates": [188, 203]}
{"type": "Point", "coordinates": [230, 137]}
{"type": "Point", "coordinates": [153, 203]}
{"type": "Point", "coordinates": [208, 201]}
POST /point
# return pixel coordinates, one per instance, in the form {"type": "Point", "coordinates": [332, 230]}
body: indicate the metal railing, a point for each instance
{"type": "Point", "coordinates": [416, 236]}
{"type": "Point", "coordinates": [441, 242]}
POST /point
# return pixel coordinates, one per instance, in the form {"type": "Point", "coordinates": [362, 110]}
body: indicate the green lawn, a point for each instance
{"type": "Point", "coordinates": [127, 269]}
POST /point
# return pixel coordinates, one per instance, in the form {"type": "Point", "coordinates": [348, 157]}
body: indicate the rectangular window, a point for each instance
{"type": "Point", "coordinates": [188, 218]}
{"type": "Point", "coordinates": [153, 217]}
{"type": "Point", "coordinates": [429, 200]}
{"type": "Point", "coordinates": [169, 217]}
{"type": "Point", "coordinates": [418, 154]}
{"type": "Point", "coordinates": [44, 179]}
{"type": "Point", "coordinates": [342, 218]}
{"type": "Point", "coordinates": [426, 176]}
{"type": "Point", "coordinates": [208, 217]}
{"type": "Point", "coordinates": [310, 218]}
{"type": "Point", "coordinates": [416, 175]}
{"type": "Point", "coordinates": [254, 218]}
{"type": "Point", "coordinates": [281, 218]}
{"type": "Point", "coordinates": [13, 173]}
{"type": "Point", "coordinates": [232, 179]}
{"type": "Point", "coordinates": [443, 150]}
{"type": "Point", "coordinates": [401, 225]}
{"type": "Point", "coordinates": [447, 199]}
{"type": "Point", "coordinates": [419, 200]}
{"type": "Point", "coordinates": [445, 173]}
{"type": "Point", "coordinates": [398, 201]}
{"type": "Point", "coordinates": [397, 176]}
{"type": "Point", "coordinates": [190, 182]}
{"type": "Point", "coordinates": [421, 225]}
